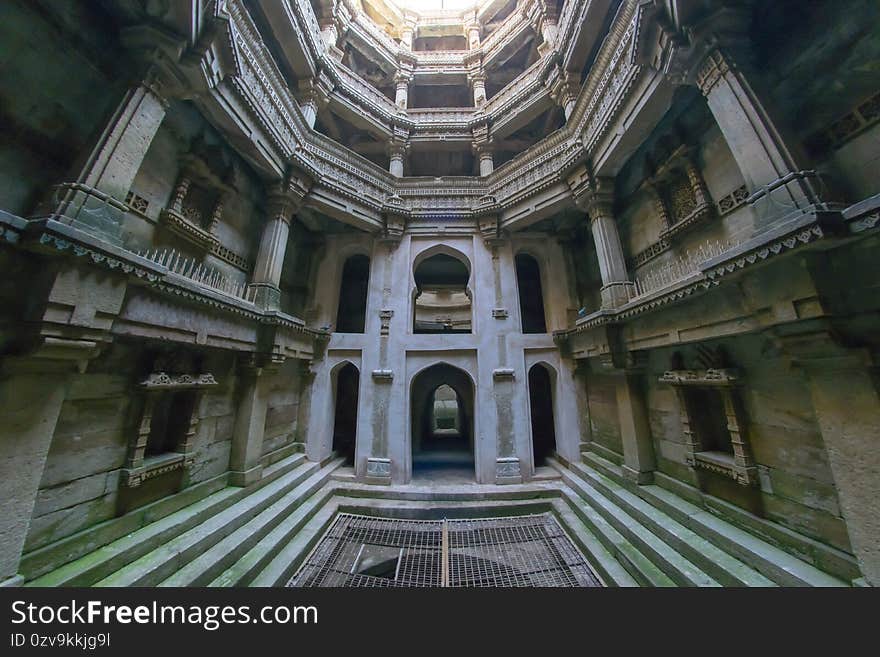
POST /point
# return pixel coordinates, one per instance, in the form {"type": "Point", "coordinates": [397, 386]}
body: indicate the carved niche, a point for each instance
{"type": "Point", "coordinates": [713, 423]}
{"type": "Point", "coordinates": [680, 195]}
{"type": "Point", "coordinates": [205, 183]}
{"type": "Point", "coordinates": [168, 402]}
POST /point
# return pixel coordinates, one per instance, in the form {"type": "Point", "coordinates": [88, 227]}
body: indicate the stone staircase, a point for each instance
{"type": "Point", "coordinates": [260, 535]}
{"type": "Point", "coordinates": [671, 542]}
{"type": "Point", "coordinates": [192, 545]}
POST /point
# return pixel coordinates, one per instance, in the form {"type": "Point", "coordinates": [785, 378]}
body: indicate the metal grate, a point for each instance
{"type": "Point", "coordinates": [364, 551]}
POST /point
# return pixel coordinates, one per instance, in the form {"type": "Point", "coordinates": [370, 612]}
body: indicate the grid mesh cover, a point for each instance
{"type": "Point", "coordinates": [365, 551]}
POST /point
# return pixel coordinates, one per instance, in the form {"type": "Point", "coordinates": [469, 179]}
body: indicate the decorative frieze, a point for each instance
{"type": "Point", "coordinates": [865, 115]}
{"type": "Point", "coordinates": [164, 381]}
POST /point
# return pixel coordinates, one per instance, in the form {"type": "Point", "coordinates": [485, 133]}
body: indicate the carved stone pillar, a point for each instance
{"type": "Point", "coordinates": [398, 157]}
{"type": "Point", "coordinates": [775, 173]}
{"type": "Point", "coordinates": [329, 33]}
{"type": "Point", "coordinates": [472, 32]}
{"type": "Point", "coordinates": [597, 201]}
{"type": "Point", "coordinates": [93, 201]}
{"type": "Point", "coordinates": [660, 205]}
{"type": "Point", "coordinates": [478, 84]}
{"type": "Point", "coordinates": [549, 29]}
{"type": "Point", "coordinates": [564, 92]}
{"type": "Point", "coordinates": [486, 159]}
{"type": "Point", "coordinates": [407, 31]}
{"type": "Point", "coordinates": [311, 98]}
{"type": "Point", "coordinates": [284, 200]}
{"type": "Point", "coordinates": [401, 96]}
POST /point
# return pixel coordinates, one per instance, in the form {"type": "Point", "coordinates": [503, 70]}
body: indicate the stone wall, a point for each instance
{"type": "Point", "coordinates": [282, 427]}
{"type": "Point", "coordinates": [45, 131]}
{"type": "Point", "coordinates": [796, 484]}
{"type": "Point", "coordinates": [97, 423]}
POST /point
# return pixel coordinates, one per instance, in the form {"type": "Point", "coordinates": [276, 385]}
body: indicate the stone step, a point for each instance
{"type": "Point", "coordinates": [281, 453]}
{"type": "Point", "coordinates": [107, 559]}
{"type": "Point", "coordinates": [279, 569]}
{"type": "Point", "coordinates": [170, 556]}
{"type": "Point", "coordinates": [455, 492]}
{"type": "Point", "coordinates": [258, 557]}
{"type": "Point", "coordinates": [609, 569]}
{"type": "Point", "coordinates": [717, 563]}
{"type": "Point", "coordinates": [773, 563]}
{"type": "Point", "coordinates": [210, 563]}
{"type": "Point", "coordinates": [642, 569]}
{"type": "Point", "coordinates": [676, 567]}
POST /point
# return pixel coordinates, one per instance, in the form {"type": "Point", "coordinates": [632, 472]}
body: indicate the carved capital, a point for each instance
{"type": "Point", "coordinates": [285, 198]}
{"type": "Point", "coordinates": [592, 194]}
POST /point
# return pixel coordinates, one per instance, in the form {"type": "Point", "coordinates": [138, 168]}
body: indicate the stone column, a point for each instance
{"type": "Point", "coordinates": [94, 201]}
{"type": "Point", "coordinates": [311, 98]}
{"type": "Point", "coordinates": [844, 389]}
{"type": "Point", "coordinates": [245, 467]}
{"type": "Point", "coordinates": [401, 96]}
{"type": "Point", "coordinates": [617, 289]}
{"type": "Point", "coordinates": [284, 201]}
{"type": "Point", "coordinates": [472, 33]}
{"type": "Point", "coordinates": [478, 84]}
{"type": "Point", "coordinates": [407, 31]}
{"type": "Point", "coordinates": [398, 155]}
{"type": "Point", "coordinates": [564, 92]}
{"type": "Point", "coordinates": [776, 174]}
{"type": "Point", "coordinates": [487, 162]}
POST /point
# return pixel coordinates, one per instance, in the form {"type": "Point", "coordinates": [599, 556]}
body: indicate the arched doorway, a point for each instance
{"type": "Point", "coordinates": [541, 407]}
{"type": "Point", "coordinates": [442, 302]}
{"type": "Point", "coordinates": [351, 312]}
{"type": "Point", "coordinates": [442, 423]}
{"type": "Point", "coordinates": [531, 296]}
{"type": "Point", "coordinates": [345, 413]}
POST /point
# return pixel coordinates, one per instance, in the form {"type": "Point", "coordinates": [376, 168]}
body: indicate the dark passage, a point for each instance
{"type": "Point", "coordinates": [442, 423]}
{"type": "Point", "coordinates": [352, 311]}
{"type": "Point", "coordinates": [345, 422]}
{"type": "Point", "coordinates": [541, 402]}
{"type": "Point", "coordinates": [531, 297]}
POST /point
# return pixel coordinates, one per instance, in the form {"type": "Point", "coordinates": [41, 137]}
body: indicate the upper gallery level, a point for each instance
{"type": "Point", "coordinates": [462, 82]}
